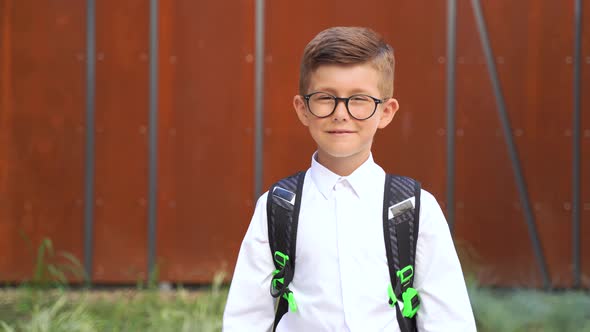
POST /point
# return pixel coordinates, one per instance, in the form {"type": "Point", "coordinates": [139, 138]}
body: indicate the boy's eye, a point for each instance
{"type": "Point", "coordinates": [360, 99]}
{"type": "Point", "coordinates": [322, 98]}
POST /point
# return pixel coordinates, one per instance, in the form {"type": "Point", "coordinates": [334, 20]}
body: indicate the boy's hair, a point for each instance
{"type": "Point", "coordinates": [348, 46]}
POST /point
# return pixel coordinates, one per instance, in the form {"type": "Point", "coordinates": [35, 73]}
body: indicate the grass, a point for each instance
{"type": "Point", "coordinates": [132, 310]}
{"type": "Point", "coordinates": [530, 310]}
{"type": "Point", "coordinates": [183, 310]}
{"type": "Point", "coordinates": [45, 304]}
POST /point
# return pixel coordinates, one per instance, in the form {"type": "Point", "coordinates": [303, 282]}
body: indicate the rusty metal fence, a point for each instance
{"type": "Point", "coordinates": [137, 135]}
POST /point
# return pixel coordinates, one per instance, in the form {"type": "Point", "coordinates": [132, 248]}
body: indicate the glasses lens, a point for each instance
{"type": "Point", "coordinates": [361, 106]}
{"type": "Point", "coordinates": [321, 104]}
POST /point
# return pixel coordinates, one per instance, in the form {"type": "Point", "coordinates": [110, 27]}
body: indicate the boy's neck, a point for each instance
{"type": "Point", "coordinates": [343, 166]}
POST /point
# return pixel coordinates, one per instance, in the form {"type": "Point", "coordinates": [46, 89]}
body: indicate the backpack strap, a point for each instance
{"type": "Point", "coordinates": [400, 230]}
{"type": "Point", "coordinates": [282, 208]}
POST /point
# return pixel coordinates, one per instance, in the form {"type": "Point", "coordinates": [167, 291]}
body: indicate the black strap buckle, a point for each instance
{"type": "Point", "coordinates": [281, 279]}
{"type": "Point", "coordinates": [278, 286]}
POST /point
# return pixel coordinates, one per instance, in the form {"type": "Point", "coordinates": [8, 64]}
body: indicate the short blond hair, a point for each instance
{"type": "Point", "coordinates": [348, 46]}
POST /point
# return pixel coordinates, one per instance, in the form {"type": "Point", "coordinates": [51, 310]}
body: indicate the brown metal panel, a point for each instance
{"type": "Point", "coordinates": [41, 131]}
{"type": "Point", "coordinates": [531, 43]}
{"type": "Point", "coordinates": [414, 144]}
{"type": "Point", "coordinates": [122, 77]}
{"type": "Point", "coordinates": [205, 137]}
{"type": "Point", "coordinates": [585, 147]}
{"type": "Point", "coordinates": [420, 46]}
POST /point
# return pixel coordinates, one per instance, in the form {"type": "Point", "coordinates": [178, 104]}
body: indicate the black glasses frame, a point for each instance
{"type": "Point", "coordinates": [345, 100]}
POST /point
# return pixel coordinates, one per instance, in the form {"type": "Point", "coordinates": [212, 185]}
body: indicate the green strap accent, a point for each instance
{"type": "Point", "coordinates": [274, 282]}
{"type": "Point", "coordinates": [405, 274]}
{"type": "Point", "coordinates": [409, 311]}
{"type": "Point", "coordinates": [281, 258]}
{"type": "Point", "coordinates": [391, 294]}
{"type": "Point", "coordinates": [291, 299]}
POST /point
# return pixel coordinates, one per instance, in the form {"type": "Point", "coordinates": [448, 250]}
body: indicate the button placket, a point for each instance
{"type": "Point", "coordinates": [342, 195]}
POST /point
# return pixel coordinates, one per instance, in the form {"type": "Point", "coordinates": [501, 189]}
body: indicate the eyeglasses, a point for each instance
{"type": "Point", "coordinates": [360, 107]}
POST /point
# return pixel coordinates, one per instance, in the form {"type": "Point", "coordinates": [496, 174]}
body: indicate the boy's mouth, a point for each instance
{"type": "Point", "coordinates": [340, 131]}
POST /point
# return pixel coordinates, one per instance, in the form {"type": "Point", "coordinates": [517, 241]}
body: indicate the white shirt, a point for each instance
{"type": "Point", "coordinates": [341, 273]}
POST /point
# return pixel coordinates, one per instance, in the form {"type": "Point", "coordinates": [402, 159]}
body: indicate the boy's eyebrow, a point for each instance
{"type": "Point", "coordinates": [335, 93]}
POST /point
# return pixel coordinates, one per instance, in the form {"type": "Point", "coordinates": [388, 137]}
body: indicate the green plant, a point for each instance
{"type": "Point", "coordinates": [53, 269]}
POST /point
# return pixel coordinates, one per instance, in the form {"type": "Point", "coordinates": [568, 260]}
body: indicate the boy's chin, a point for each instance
{"type": "Point", "coordinates": [339, 153]}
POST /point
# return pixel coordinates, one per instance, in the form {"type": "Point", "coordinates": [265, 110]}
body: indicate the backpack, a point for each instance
{"type": "Point", "coordinates": [400, 231]}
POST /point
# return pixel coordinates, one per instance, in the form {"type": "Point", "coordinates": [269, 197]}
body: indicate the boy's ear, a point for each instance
{"type": "Point", "coordinates": [301, 110]}
{"type": "Point", "coordinates": [390, 107]}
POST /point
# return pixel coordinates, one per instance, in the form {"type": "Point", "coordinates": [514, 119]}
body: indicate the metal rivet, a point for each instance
{"type": "Point", "coordinates": [500, 59]}
{"type": "Point", "coordinates": [249, 58]}
{"type": "Point", "coordinates": [172, 204]}
{"type": "Point", "coordinates": [568, 59]}
{"type": "Point", "coordinates": [567, 206]}
{"type": "Point", "coordinates": [28, 206]}
{"type": "Point", "coordinates": [567, 132]}
{"type": "Point", "coordinates": [172, 132]}
{"type": "Point", "coordinates": [518, 132]}
{"type": "Point", "coordinates": [268, 58]}
{"type": "Point", "coordinates": [461, 60]}
{"type": "Point", "coordinates": [441, 59]}
{"type": "Point", "coordinates": [142, 129]}
{"type": "Point", "coordinates": [143, 56]}
{"type": "Point", "coordinates": [537, 206]}
{"type": "Point", "coordinates": [61, 20]}
{"type": "Point", "coordinates": [460, 132]}
{"type": "Point", "coordinates": [440, 131]}
{"type": "Point", "coordinates": [99, 130]}
{"type": "Point", "coordinates": [78, 202]}
{"type": "Point", "coordinates": [80, 57]}
{"type": "Point", "coordinates": [79, 129]}
{"type": "Point", "coordinates": [588, 60]}
{"type": "Point", "coordinates": [100, 56]}
{"type": "Point", "coordinates": [587, 133]}
{"type": "Point", "coordinates": [267, 131]}
{"type": "Point", "coordinates": [141, 201]}
{"type": "Point", "coordinates": [173, 59]}
{"type": "Point", "coordinates": [99, 202]}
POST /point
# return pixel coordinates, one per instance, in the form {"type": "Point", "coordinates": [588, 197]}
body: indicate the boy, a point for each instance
{"type": "Point", "coordinates": [341, 275]}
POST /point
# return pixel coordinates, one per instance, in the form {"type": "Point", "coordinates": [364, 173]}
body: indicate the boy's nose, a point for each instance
{"type": "Point", "coordinates": [341, 113]}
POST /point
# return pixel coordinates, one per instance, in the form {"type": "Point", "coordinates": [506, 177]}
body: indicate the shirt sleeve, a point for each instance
{"type": "Point", "coordinates": [439, 280]}
{"type": "Point", "coordinates": [250, 307]}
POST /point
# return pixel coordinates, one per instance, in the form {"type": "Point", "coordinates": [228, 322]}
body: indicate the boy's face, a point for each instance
{"type": "Point", "coordinates": [340, 136]}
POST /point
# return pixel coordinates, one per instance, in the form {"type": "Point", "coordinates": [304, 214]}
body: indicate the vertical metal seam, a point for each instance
{"type": "Point", "coordinates": [90, 140]}
{"type": "Point", "coordinates": [259, 99]}
{"type": "Point", "coordinates": [153, 138]}
{"type": "Point", "coordinates": [451, 49]}
{"type": "Point", "coordinates": [576, 143]}
{"type": "Point", "coordinates": [516, 167]}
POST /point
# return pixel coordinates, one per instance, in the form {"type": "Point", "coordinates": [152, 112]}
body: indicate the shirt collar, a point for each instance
{"type": "Point", "coordinates": [360, 180]}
